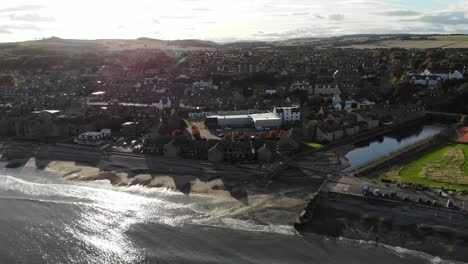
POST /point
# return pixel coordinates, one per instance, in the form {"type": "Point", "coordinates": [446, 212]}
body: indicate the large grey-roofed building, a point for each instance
{"type": "Point", "coordinates": [233, 120]}
{"type": "Point", "coordinates": [260, 120]}
{"type": "Point", "coordinates": [265, 120]}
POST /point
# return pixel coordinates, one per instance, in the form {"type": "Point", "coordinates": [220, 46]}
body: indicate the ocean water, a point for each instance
{"type": "Point", "coordinates": [44, 219]}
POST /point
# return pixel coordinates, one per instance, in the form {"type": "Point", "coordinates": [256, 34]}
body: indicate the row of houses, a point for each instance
{"type": "Point", "coordinates": [219, 151]}
{"type": "Point", "coordinates": [337, 125]}
{"type": "Point", "coordinates": [317, 89]}
{"type": "Point", "coordinates": [434, 80]}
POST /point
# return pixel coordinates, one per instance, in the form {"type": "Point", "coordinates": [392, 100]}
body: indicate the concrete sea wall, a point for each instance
{"type": "Point", "coordinates": [436, 231]}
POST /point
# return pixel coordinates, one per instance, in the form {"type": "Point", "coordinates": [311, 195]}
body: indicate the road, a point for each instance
{"type": "Point", "coordinates": [353, 186]}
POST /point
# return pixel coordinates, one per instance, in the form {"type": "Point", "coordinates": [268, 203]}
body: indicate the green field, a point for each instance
{"type": "Point", "coordinates": [452, 38]}
{"type": "Point", "coordinates": [187, 123]}
{"type": "Point", "coordinates": [446, 167]}
{"type": "Point", "coordinates": [314, 145]}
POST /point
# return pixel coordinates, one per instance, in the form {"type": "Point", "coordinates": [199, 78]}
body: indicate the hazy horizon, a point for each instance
{"type": "Point", "coordinates": [223, 21]}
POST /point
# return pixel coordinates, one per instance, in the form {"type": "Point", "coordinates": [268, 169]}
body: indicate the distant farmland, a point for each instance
{"type": "Point", "coordinates": [452, 38]}
{"type": "Point", "coordinates": [445, 42]}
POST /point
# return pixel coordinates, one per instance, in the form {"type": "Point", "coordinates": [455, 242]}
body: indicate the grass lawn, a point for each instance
{"type": "Point", "coordinates": [452, 38]}
{"type": "Point", "coordinates": [446, 167]}
{"type": "Point", "coordinates": [313, 145]}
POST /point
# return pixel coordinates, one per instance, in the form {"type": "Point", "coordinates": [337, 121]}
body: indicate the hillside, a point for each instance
{"type": "Point", "coordinates": [360, 41]}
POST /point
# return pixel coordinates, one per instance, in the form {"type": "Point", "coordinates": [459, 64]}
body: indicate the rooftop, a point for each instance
{"type": "Point", "coordinates": [91, 134]}
{"type": "Point", "coordinates": [264, 116]}
{"type": "Point", "coordinates": [47, 111]}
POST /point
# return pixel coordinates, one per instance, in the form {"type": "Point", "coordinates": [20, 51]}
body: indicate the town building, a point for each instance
{"type": "Point", "coordinates": [288, 114]}
{"type": "Point", "coordinates": [90, 138]}
{"type": "Point", "coordinates": [258, 120]}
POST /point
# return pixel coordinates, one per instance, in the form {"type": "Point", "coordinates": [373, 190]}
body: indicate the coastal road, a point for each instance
{"type": "Point", "coordinates": [353, 186]}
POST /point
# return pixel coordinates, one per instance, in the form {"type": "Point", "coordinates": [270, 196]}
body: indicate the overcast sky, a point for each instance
{"type": "Point", "coordinates": [226, 20]}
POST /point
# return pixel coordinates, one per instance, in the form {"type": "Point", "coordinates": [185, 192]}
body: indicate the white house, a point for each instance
{"type": "Point", "coordinates": [456, 75]}
{"type": "Point", "coordinates": [338, 106]}
{"type": "Point", "coordinates": [450, 75]}
{"type": "Point", "coordinates": [302, 86]}
{"type": "Point", "coordinates": [366, 104]}
{"type": "Point", "coordinates": [202, 85]}
{"type": "Point", "coordinates": [90, 138]}
{"type": "Point", "coordinates": [429, 81]}
{"type": "Point", "coordinates": [288, 114]}
{"type": "Point", "coordinates": [327, 90]}
{"type": "Point", "coordinates": [351, 104]}
{"type": "Point", "coordinates": [270, 91]}
{"type": "Point", "coordinates": [161, 105]}
{"type": "Point", "coordinates": [336, 99]}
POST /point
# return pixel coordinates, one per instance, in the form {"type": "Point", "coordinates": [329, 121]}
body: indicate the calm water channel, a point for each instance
{"type": "Point", "coordinates": [377, 148]}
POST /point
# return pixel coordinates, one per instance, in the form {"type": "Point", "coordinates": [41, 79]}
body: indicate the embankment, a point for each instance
{"type": "Point", "coordinates": [403, 154]}
{"type": "Point", "coordinates": [435, 231]}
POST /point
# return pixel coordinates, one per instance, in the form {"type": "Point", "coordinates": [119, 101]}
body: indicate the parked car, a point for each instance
{"type": "Point", "coordinates": [377, 193]}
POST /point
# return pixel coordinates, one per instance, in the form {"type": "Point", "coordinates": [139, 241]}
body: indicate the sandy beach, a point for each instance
{"type": "Point", "coordinates": [278, 203]}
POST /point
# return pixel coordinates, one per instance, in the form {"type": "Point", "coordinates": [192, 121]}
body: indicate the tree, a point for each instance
{"type": "Point", "coordinates": [403, 91]}
{"type": "Point", "coordinates": [236, 136]}
{"type": "Point", "coordinates": [463, 89]}
{"type": "Point", "coordinates": [196, 134]}
{"type": "Point", "coordinates": [8, 80]}
{"type": "Point", "coordinates": [464, 120]}
{"type": "Point", "coordinates": [315, 101]}
{"type": "Point", "coordinates": [272, 134]}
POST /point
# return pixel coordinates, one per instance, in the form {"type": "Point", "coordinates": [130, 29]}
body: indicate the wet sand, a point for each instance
{"type": "Point", "coordinates": [279, 203]}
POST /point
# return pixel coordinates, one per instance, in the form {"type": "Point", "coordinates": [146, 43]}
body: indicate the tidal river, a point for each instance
{"type": "Point", "coordinates": [47, 220]}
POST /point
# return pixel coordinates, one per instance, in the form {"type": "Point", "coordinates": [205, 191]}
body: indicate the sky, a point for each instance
{"type": "Point", "coordinates": [226, 20]}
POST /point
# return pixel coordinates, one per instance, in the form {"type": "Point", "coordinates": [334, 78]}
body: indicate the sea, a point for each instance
{"type": "Point", "coordinates": [45, 219]}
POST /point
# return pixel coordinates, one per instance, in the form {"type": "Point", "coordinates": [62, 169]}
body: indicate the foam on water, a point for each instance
{"type": "Point", "coordinates": [245, 225]}
{"type": "Point", "coordinates": [399, 251]}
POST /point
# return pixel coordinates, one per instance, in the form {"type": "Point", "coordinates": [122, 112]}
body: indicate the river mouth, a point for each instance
{"type": "Point", "coordinates": [374, 149]}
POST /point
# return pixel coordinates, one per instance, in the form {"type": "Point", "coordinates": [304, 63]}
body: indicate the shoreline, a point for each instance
{"type": "Point", "coordinates": [277, 203]}
{"type": "Point", "coordinates": [436, 232]}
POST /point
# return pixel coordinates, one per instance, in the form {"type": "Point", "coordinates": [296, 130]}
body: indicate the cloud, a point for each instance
{"type": "Point", "coordinates": [4, 31]}
{"type": "Point", "coordinates": [399, 13]}
{"type": "Point", "coordinates": [319, 16]}
{"type": "Point", "coordinates": [336, 17]}
{"type": "Point", "coordinates": [299, 33]}
{"type": "Point", "coordinates": [9, 28]}
{"type": "Point", "coordinates": [199, 9]}
{"type": "Point", "coordinates": [180, 17]}
{"type": "Point", "coordinates": [443, 18]}
{"type": "Point", "coordinates": [31, 18]}
{"type": "Point", "coordinates": [300, 14]}
{"type": "Point", "coordinates": [21, 8]}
